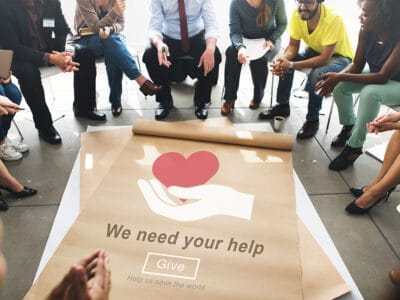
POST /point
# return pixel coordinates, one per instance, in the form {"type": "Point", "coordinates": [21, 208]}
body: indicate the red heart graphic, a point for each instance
{"type": "Point", "coordinates": [173, 168]}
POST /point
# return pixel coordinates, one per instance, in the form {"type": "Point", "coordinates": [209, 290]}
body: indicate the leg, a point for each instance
{"type": "Point", "coordinates": [259, 73]}
{"type": "Point", "coordinates": [371, 98]}
{"type": "Point", "coordinates": [114, 76]}
{"type": "Point", "coordinates": [84, 80]}
{"type": "Point", "coordinates": [11, 92]}
{"type": "Point", "coordinates": [391, 154]}
{"type": "Point", "coordinates": [30, 81]}
{"type": "Point", "coordinates": [336, 64]}
{"type": "Point", "coordinates": [232, 74]}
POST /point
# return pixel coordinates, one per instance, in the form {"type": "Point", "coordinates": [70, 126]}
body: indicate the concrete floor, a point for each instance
{"type": "Point", "coordinates": [369, 245]}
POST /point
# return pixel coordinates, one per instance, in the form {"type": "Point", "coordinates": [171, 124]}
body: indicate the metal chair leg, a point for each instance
{"type": "Point", "coordinates": [19, 131]}
{"type": "Point", "coordinates": [330, 115]}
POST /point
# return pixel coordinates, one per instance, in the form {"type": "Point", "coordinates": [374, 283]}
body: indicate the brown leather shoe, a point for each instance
{"type": "Point", "coordinates": [394, 276]}
{"type": "Point", "coordinates": [254, 105]}
{"type": "Point", "coordinates": [227, 107]}
{"type": "Point", "coordinates": [150, 88]}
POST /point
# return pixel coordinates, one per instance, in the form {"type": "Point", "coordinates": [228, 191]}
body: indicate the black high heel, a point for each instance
{"type": "Point", "coordinates": [357, 191]}
{"type": "Point", "coordinates": [26, 192]}
{"type": "Point", "coordinates": [354, 209]}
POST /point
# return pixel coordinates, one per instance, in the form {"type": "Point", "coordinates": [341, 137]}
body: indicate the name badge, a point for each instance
{"type": "Point", "coordinates": [48, 23]}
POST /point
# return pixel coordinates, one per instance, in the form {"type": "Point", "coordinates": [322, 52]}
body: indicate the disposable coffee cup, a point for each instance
{"type": "Point", "coordinates": [278, 122]}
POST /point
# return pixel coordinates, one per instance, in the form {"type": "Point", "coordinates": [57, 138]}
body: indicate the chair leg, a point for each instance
{"type": "Point", "coordinates": [272, 89]}
{"type": "Point", "coordinates": [19, 131]}
{"type": "Point", "coordinates": [330, 115]}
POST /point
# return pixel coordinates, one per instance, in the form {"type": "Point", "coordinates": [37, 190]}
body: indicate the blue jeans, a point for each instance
{"type": "Point", "coordinates": [10, 91]}
{"type": "Point", "coordinates": [117, 58]}
{"type": "Point", "coordinates": [336, 64]}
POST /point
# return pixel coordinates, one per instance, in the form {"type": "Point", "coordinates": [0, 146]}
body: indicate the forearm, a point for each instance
{"type": "Point", "coordinates": [365, 78]}
{"type": "Point", "coordinates": [211, 44]}
{"type": "Point", "coordinates": [313, 62]}
{"type": "Point", "coordinates": [290, 52]}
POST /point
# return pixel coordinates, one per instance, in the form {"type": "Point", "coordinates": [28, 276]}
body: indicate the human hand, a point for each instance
{"type": "Point", "coordinates": [8, 107]}
{"type": "Point", "coordinates": [119, 6]}
{"type": "Point", "coordinates": [6, 80]}
{"type": "Point", "coordinates": [280, 67]}
{"type": "Point", "coordinates": [242, 55]}
{"type": "Point", "coordinates": [75, 284]}
{"type": "Point", "coordinates": [105, 32]}
{"type": "Point", "coordinates": [325, 86]}
{"type": "Point", "coordinates": [163, 54]}
{"type": "Point", "coordinates": [384, 123]}
{"type": "Point", "coordinates": [64, 61]}
{"type": "Point", "coordinates": [268, 45]}
{"type": "Point", "coordinates": [207, 60]}
{"type": "Point", "coordinates": [210, 200]}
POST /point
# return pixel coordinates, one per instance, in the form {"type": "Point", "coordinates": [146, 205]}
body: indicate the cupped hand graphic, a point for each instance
{"type": "Point", "coordinates": [208, 200]}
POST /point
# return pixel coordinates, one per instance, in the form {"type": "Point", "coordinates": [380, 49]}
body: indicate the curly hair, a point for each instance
{"type": "Point", "coordinates": [387, 16]}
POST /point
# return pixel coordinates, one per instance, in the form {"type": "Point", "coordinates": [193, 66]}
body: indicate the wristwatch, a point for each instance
{"type": "Point", "coordinates": [291, 66]}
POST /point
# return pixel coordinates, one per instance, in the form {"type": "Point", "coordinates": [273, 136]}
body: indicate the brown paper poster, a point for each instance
{"type": "Point", "coordinates": [190, 220]}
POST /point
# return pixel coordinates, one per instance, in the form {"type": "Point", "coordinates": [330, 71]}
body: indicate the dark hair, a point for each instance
{"type": "Point", "coordinates": [264, 12]}
{"type": "Point", "coordinates": [387, 16]}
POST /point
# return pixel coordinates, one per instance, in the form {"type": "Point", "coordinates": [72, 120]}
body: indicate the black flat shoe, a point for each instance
{"type": "Point", "coordinates": [341, 139]}
{"type": "Point", "coordinates": [354, 209]}
{"type": "Point", "coordinates": [201, 111]}
{"type": "Point", "coordinates": [3, 205]}
{"type": "Point", "coordinates": [345, 159]}
{"type": "Point", "coordinates": [162, 111]}
{"type": "Point", "coordinates": [50, 135]}
{"type": "Point", "coordinates": [116, 109]}
{"type": "Point", "coordinates": [91, 115]}
{"type": "Point", "coordinates": [357, 191]}
{"type": "Point", "coordinates": [26, 192]}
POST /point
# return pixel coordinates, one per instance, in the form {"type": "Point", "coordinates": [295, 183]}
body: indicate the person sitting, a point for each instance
{"type": "Point", "coordinates": [36, 31]}
{"type": "Point", "coordinates": [379, 46]}
{"type": "Point", "coordinates": [10, 150]}
{"type": "Point", "coordinates": [252, 20]}
{"type": "Point", "coordinates": [98, 24]}
{"type": "Point", "coordinates": [389, 175]}
{"type": "Point", "coordinates": [7, 181]}
{"type": "Point", "coordinates": [177, 29]}
{"type": "Point", "coordinates": [328, 50]}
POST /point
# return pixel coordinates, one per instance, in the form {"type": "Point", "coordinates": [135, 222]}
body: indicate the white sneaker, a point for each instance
{"type": "Point", "coordinates": [9, 153]}
{"type": "Point", "coordinates": [17, 145]}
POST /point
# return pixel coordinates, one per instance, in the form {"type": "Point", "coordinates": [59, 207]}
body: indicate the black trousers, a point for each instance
{"type": "Point", "coordinates": [84, 80]}
{"type": "Point", "coordinates": [30, 82]}
{"type": "Point", "coordinates": [259, 73]}
{"type": "Point", "coordinates": [180, 68]}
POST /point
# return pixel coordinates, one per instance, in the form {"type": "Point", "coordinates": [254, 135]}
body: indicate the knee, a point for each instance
{"type": "Point", "coordinates": [150, 54]}
{"type": "Point", "coordinates": [231, 53]}
{"type": "Point", "coordinates": [313, 78]}
{"type": "Point", "coordinates": [369, 94]}
{"type": "Point", "coordinates": [84, 55]}
{"type": "Point", "coordinates": [29, 72]}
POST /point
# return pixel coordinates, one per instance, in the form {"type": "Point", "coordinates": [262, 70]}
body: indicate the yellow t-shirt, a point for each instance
{"type": "Point", "coordinates": [330, 30]}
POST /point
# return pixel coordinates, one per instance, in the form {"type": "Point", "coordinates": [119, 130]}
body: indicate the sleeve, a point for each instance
{"type": "Point", "coordinates": [334, 32]}
{"type": "Point", "coordinates": [235, 26]}
{"type": "Point", "coordinates": [295, 26]}
{"type": "Point", "coordinates": [62, 28]}
{"type": "Point", "coordinates": [88, 11]}
{"type": "Point", "coordinates": [156, 18]}
{"type": "Point", "coordinates": [281, 21]}
{"type": "Point", "coordinates": [209, 19]}
{"type": "Point", "coordinates": [9, 38]}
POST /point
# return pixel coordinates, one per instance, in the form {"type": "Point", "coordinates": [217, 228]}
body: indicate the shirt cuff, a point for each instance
{"type": "Point", "coordinates": [46, 59]}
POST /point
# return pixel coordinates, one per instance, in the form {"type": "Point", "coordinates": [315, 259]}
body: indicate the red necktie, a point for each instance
{"type": "Point", "coordinates": [184, 28]}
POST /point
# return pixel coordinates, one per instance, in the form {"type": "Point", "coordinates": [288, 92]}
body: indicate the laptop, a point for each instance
{"type": "Point", "coordinates": [5, 63]}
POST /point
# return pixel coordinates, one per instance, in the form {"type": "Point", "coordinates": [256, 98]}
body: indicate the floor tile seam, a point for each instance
{"type": "Point", "coordinates": [384, 237]}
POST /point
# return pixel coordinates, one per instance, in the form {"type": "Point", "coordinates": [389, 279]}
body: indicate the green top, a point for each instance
{"type": "Point", "coordinates": [242, 22]}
